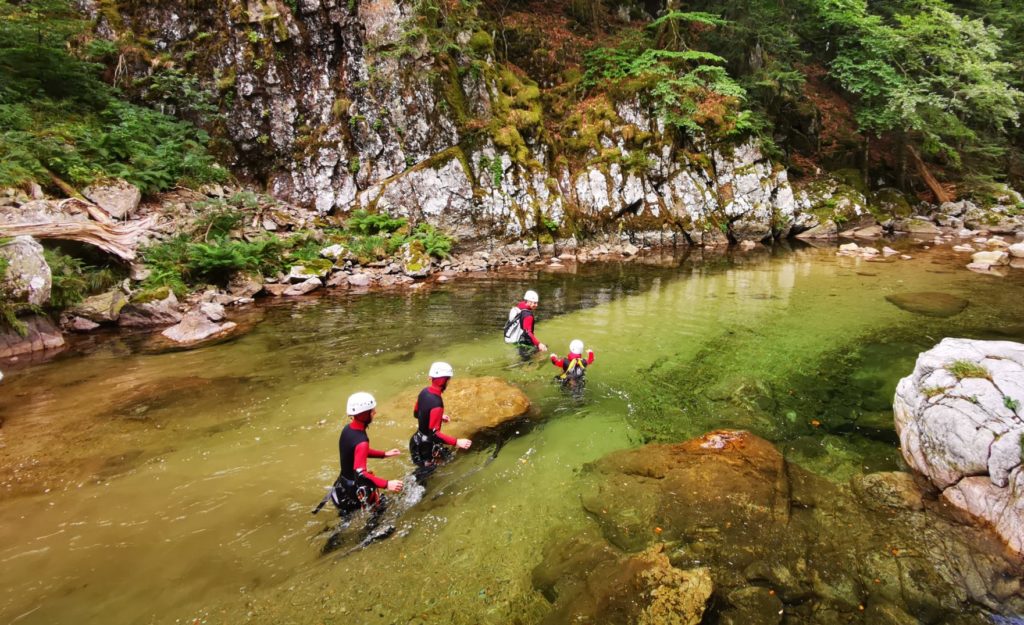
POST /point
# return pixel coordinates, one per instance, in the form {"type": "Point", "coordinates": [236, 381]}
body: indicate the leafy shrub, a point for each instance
{"type": "Point", "coordinates": [57, 115]}
{"type": "Point", "coordinates": [435, 242]}
{"type": "Point", "coordinates": [73, 279]}
{"type": "Point", "coordinates": [366, 223]}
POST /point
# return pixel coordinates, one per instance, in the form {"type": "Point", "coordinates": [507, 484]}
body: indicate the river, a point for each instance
{"type": "Point", "coordinates": [147, 487]}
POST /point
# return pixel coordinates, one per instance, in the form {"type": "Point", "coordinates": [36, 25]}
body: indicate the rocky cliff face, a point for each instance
{"type": "Point", "coordinates": [344, 104]}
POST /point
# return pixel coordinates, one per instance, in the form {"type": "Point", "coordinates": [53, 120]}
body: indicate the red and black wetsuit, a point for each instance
{"type": "Point", "coordinates": [565, 362]}
{"type": "Point", "coordinates": [354, 448]}
{"type": "Point", "coordinates": [526, 321]}
{"type": "Point", "coordinates": [428, 411]}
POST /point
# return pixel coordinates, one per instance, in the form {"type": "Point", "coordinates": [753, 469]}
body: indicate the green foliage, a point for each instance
{"type": "Point", "coordinates": [179, 261]}
{"type": "Point", "coordinates": [363, 222]}
{"type": "Point", "coordinates": [435, 243]}
{"type": "Point", "coordinates": [73, 279]}
{"type": "Point", "coordinates": [173, 91]}
{"type": "Point", "coordinates": [56, 115]}
{"type": "Point", "coordinates": [927, 73]}
{"type": "Point", "coordinates": [1011, 403]}
{"type": "Point", "coordinates": [691, 89]}
{"type": "Point", "coordinates": [967, 369]}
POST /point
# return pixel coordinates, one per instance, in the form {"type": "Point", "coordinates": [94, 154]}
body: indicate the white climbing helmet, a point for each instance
{"type": "Point", "coordinates": [531, 296]}
{"type": "Point", "coordinates": [358, 403]}
{"type": "Point", "coordinates": [441, 370]}
{"type": "Point", "coordinates": [576, 346]}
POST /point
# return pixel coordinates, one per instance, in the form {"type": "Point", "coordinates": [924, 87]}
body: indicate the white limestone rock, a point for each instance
{"type": "Point", "coordinates": [964, 433]}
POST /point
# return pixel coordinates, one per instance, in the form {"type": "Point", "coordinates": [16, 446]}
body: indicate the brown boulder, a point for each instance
{"type": "Point", "coordinates": [726, 480]}
{"type": "Point", "coordinates": [643, 588]}
{"type": "Point", "coordinates": [474, 404]}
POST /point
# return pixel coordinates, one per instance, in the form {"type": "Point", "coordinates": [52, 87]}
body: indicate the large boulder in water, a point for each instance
{"type": "Point", "coordinates": [959, 418]}
{"type": "Point", "coordinates": [729, 502]}
{"type": "Point", "coordinates": [27, 278]}
{"type": "Point", "coordinates": [474, 405]}
{"type": "Point", "coordinates": [153, 308]}
{"type": "Point", "coordinates": [729, 480]}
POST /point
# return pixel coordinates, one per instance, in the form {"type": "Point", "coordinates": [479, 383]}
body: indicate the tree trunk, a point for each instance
{"type": "Point", "coordinates": [119, 240]}
{"type": "Point", "coordinates": [941, 195]}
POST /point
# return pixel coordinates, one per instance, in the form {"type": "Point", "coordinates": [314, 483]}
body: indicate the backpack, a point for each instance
{"type": "Point", "coordinates": [514, 326]}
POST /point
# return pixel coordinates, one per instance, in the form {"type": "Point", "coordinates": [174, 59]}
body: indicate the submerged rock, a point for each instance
{"type": "Point", "coordinates": [645, 588]}
{"type": "Point", "coordinates": [928, 303]}
{"type": "Point", "coordinates": [959, 418]}
{"type": "Point", "coordinates": [730, 502]}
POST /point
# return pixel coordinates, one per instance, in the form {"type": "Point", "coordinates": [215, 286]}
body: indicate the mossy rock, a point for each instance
{"type": "Point", "coordinates": [852, 178]}
{"type": "Point", "coordinates": [146, 296]}
{"type": "Point", "coordinates": [888, 202]}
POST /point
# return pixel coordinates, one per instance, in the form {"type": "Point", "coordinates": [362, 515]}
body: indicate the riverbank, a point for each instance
{"type": "Point", "coordinates": [216, 314]}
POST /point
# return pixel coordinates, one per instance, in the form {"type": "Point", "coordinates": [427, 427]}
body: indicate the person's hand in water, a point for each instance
{"type": "Point", "coordinates": [445, 418]}
{"type": "Point", "coordinates": [391, 453]}
{"type": "Point", "coordinates": [542, 347]}
{"type": "Point", "coordinates": [463, 443]}
{"type": "Point", "coordinates": [395, 486]}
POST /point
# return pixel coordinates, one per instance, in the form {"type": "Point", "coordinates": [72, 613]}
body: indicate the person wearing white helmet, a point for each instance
{"type": "Point", "coordinates": [357, 486]}
{"type": "Point", "coordinates": [574, 366]}
{"type": "Point", "coordinates": [429, 445]}
{"type": "Point", "coordinates": [519, 329]}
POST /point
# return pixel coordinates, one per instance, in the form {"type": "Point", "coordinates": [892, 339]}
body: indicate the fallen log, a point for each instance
{"type": "Point", "coordinates": [117, 239]}
{"type": "Point", "coordinates": [941, 195]}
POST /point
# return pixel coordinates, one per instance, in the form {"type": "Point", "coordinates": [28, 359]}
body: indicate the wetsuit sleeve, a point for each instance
{"type": "Point", "coordinates": [435, 425]}
{"type": "Point", "coordinates": [555, 360]}
{"type": "Point", "coordinates": [528, 329]}
{"type": "Point", "coordinates": [374, 453]}
{"type": "Point", "coordinates": [590, 359]}
{"type": "Point", "coordinates": [359, 464]}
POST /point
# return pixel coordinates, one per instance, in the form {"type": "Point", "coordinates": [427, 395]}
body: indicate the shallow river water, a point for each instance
{"type": "Point", "coordinates": [146, 487]}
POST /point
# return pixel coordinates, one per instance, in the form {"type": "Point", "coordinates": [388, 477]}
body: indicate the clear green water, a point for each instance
{"type": "Point", "coordinates": [160, 488]}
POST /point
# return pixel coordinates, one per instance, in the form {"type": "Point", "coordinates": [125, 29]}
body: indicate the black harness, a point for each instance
{"type": "Point", "coordinates": [425, 447]}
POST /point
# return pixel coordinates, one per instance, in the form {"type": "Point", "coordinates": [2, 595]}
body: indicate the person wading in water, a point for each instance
{"type": "Point", "coordinates": [356, 487]}
{"type": "Point", "coordinates": [519, 330]}
{"type": "Point", "coordinates": [429, 446]}
{"type": "Point", "coordinates": [574, 368]}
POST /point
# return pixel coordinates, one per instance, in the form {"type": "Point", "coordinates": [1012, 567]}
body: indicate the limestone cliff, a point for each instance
{"type": "Point", "coordinates": [381, 104]}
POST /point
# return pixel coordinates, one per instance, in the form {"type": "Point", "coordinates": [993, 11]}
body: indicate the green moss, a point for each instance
{"type": "Point", "coordinates": [889, 203]}
{"type": "Point", "coordinates": [481, 43]}
{"type": "Point", "coordinates": [932, 391]}
{"type": "Point", "coordinates": [155, 294]}
{"type": "Point", "coordinates": [967, 369]}
{"type": "Point", "coordinates": [852, 178]}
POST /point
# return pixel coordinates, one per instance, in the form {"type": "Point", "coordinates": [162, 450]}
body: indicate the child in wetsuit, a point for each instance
{"type": "Point", "coordinates": [574, 366]}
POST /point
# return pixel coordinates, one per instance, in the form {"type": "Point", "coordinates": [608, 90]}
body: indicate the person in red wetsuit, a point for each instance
{"type": "Point", "coordinates": [429, 445]}
{"type": "Point", "coordinates": [574, 366]}
{"type": "Point", "coordinates": [521, 324]}
{"type": "Point", "coordinates": [357, 486]}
